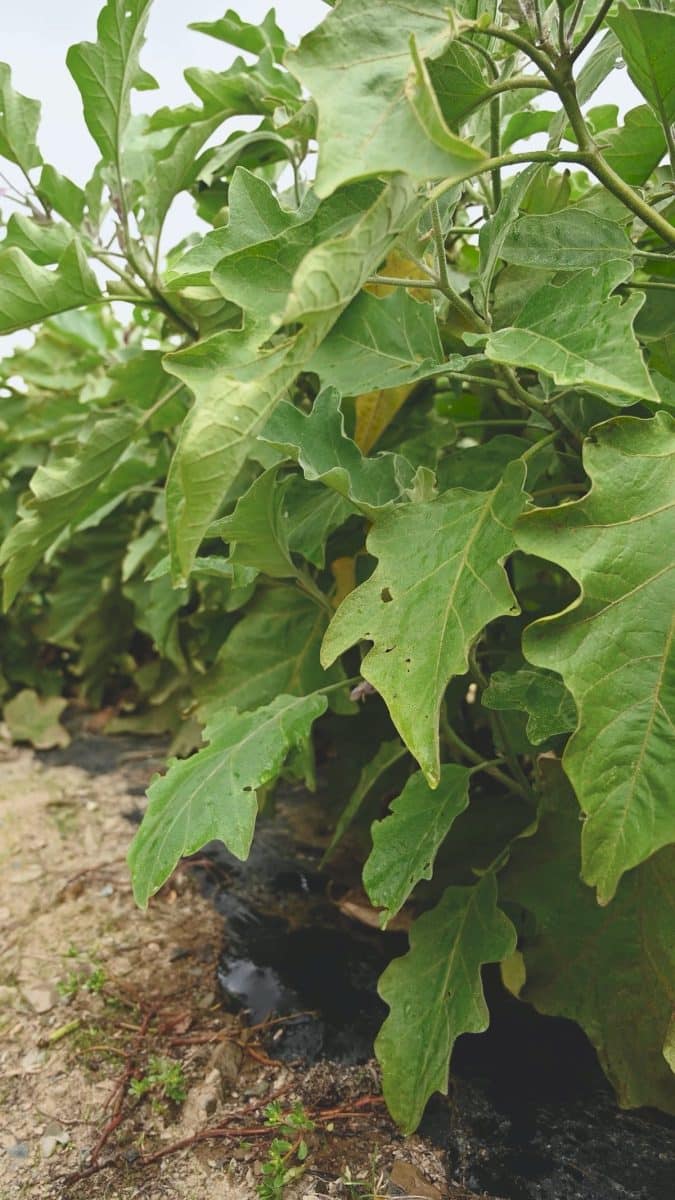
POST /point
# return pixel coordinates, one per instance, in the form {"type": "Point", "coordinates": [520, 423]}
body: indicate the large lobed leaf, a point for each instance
{"type": "Point", "coordinates": [19, 122]}
{"type": "Point", "coordinates": [213, 794]}
{"type": "Point", "coordinates": [611, 969]}
{"type": "Point", "coordinates": [107, 70]}
{"type": "Point", "coordinates": [613, 646]}
{"type": "Point", "coordinates": [438, 582]}
{"type": "Point", "coordinates": [357, 65]}
{"type": "Point", "coordinates": [237, 385]}
{"type": "Point", "coordinates": [435, 994]}
{"type": "Point", "coordinates": [406, 842]}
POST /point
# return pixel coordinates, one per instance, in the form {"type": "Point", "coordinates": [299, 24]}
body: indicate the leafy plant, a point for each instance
{"type": "Point", "coordinates": [164, 1077]}
{"type": "Point", "coordinates": [376, 472]}
{"type": "Point", "coordinates": [287, 1153]}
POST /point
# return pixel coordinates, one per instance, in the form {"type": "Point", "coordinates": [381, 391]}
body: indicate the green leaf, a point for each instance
{"type": "Point", "coordinates": [388, 753]}
{"type": "Point", "coordinates": [524, 125]}
{"type": "Point", "coordinates": [256, 530]}
{"type": "Point", "coordinates": [610, 969]}
{"type": "Point", "coordinates": [637, 147]}
{"type": "Point", "coordinates": [29, 293]}
{"type": "Point", "coordinates": [106, 72]}
{"type": "Point", "coordinates": [30, 718]}
{"type": "Point", "coordinates": [64, 491]}
{"type": "Point", "coordinates": [565, 241]}
{"type": "Point", "coordinates": [541, 694]}
{"type": "Point", "coordinates": [213, 794]}
{"type": "Point", "coordinates": [435, 994]}
{"type": "Point", "coordinates": [19, 122]}
{"type": "Point", "coordinates": [613, 646]}
{"type": "Point", "coordinates": [438, 582]}
{"type": "Point", "coordinates": [420, 94]}
{"type": "Point", "coordinates": [580, 335]}
{"type": "Point", "coordinates": [356, 64]}
{"type": "Point", "coordinates": [406, 842]}
{"type": "Point", "coordinates": [648, 43]}
{"type": "Point", "coordinates": [273, 650]}
{"type": "Point", "coordinates": [61, 194]}
{"type": "Point", "coordinates": [380, 344]}
{"type": "Point", "coordinates": [43, 243]}
{"type": "Point", "coordinates": [314, 512]}
{"type": "Point", "coordinates": [253, 38]}
{"type": "Point", "coordinates": [237, 385]}
{"type": "Point", "coordinates": [494, 232]}
{"type": "Point", "coordinates": [318, 443]}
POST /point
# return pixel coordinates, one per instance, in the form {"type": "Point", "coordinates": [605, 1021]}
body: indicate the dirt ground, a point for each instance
{"type": "Point", "coordinates": [97, 999]}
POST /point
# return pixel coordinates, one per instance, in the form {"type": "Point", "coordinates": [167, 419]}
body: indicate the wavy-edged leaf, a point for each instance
{"type": "Point", "coordinates": [568, 240]}
{"type": "Point", "coordinates": [35, 719]}
{"type": "Point", "coordinates": [29, 293]}
{"type": "Point", "coordinates": [212, 795]}
{"type": "Point", "coordinates": [541, 694]}
{"type": "Point", "coordinates": [420, 94]}
{"type": "Point", "coordinates": [273, 650]}
{"type": "Point", "coordinates": [614, 645]}
{"type": "Point", "coordinates": [493, 234]}
{"type": "Point", "coordinates": [61, 194]}
{"type": "Point", "coordinates": [435, 993]}
{"type": "Point", "coordinates": [64, 492]}
{"type": "Point", "coordinates": [106, 72]}
{"type": "Point", "coordinates": [254, 38]}
{"type": "Point", "coordinates": [19, 123]}
{"type": "Point", "coordinates": [438, 581]}
{"type": "Point", "coordinates": [406, 841]}
{"type": "Point", "coordinates": [380, 344]}
{"type": "Point", "coordinates": [356, 65]}
{"type": "Point", "coordinates": [579, 334]}
{"type": "Point", "coordinates": [237, 385]}
{"type": "Point", "coordinates": [318, 443]}
{"type": "Point", "coordinates": [314, 512]}
{"type": "Point", "coordinates": [610, 969]}
{"type": "Point", "coordinates": [636, 148]}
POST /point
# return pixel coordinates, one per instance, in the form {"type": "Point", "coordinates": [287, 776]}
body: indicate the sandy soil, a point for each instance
{"type": "Point", "coordinates": [92, 991]}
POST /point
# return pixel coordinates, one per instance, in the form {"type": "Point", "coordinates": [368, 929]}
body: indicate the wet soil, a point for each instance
{"type": "Point", "coordinates": [529, 1115]}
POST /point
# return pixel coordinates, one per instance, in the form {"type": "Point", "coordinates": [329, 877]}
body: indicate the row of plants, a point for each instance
{"type": "Point", "coordinates": [375, 466]}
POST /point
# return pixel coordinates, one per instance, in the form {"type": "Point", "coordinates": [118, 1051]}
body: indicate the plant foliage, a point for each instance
{"type": "Point", "coordinates": [401, 415]}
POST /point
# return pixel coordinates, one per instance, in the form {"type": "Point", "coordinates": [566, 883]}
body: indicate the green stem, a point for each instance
{"type": "Point", "coordinates": [498, 725]}
{"type": "Point", "coordinates": [560, 489]}
{"type": "Point", "coordinates": [395, 281]}
{"type": "Point", "coordinates": [592, 29]}
{"type": "Point", "coordinates": [497, 424]}
{"type": "Point", "coordinates": [307, 584]}
{"type": "Point", "coordinates": [574, 20]}
{"type": "Point", "coordinates": [485, 380]}
{"type": "Point", "coordinates": [455, 742]}
{"type": "Point", "coordinates": [651, 285]}
{"type": "Point", "coordinates": [335, 687]}
{"type": "Point", "coordinates": [495, 148]}
{"type": "Point", "coordinates": [439, 241]}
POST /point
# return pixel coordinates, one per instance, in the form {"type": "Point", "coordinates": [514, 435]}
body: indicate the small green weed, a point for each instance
{"type": "Point", "coordinates": [287, 1154]}
{"type": "Point", "coordinates": [164, 1077]}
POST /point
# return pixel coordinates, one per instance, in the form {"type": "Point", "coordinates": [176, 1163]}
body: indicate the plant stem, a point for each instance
{"type": "Point", "coordinates": [651, 285]}
{"type": "Point", "coordinates": [455, 742]}
{"type": "Point", "coordinates": [592, 28]}
{"type": "Point", "coordinates": [439, 241]}
{"type": "Point", "coordinates": [495, 147]}
{"type": "Point", "coordinates": [395, 281]}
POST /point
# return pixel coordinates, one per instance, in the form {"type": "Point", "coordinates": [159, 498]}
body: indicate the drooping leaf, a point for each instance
{"type": "Point", "coordinates": [494, 232]}
{"type": "Point", "coordinates": [237, 385]}
{"type": "Point", "coordinates": [565, 241]}
{"type": "Point", "coordinates": [386, 756]}
{"type": "Point", "coordinates": [614, 645]}
{"type": "Point", "coordinates": [406, 842]}
{"type": "Point", "coordinates": [273, 650]}
{"type": "Point", "coordinates": [319, 444]}
{"type": "Point", "coordinates": [19, 122]}
{"type": "Point", "coordinates": [29, 293]}
{"type": "Point", "coordinates": [579, 334]}
{"type": "Point", "coordinates": [212, 795]}
{"type": "Point", "coordinates": [610, 969]}
{"type": "Point", "coordinates": [63, 492]}
{"type": "Point", "coordinates": [356, 65]}
{"type": "Point", "coordinates": [541, 694]}
{"type": "Point", "coordinates": [44, 243]}
{"type": "Point", "coordinates": [648, 43]}
{"type": "Point", "coordinates": [438, 581]}
{"type": "Point", "coordinates": [257, 529]}
{"type": "Point", "coordinates": [32, 718]}
{"type": "Point", "coordinates": [106, 72]}
{"type": "Point", "coordinates": [379, 344]}
{"type": "Point", "coordinates": [420, 94]}
{"type": "Point", "coordinates": [435, 993]}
